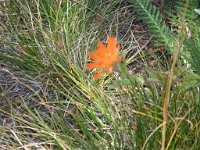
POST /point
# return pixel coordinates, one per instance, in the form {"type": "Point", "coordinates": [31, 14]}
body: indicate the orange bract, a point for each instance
{"type": "Point", "coordinates": [105, 57]}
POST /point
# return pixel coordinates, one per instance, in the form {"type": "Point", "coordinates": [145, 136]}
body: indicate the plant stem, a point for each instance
{"type": "Point", "coordinates": [162, 5]}
{"type": "Point", "coordinates": [169, 81]}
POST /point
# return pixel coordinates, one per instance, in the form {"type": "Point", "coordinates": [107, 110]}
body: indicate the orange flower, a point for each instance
{"type": "Point", "coordinates": [105, 57]}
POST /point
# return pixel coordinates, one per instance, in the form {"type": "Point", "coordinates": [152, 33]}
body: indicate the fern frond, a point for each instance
{"type": "Point", "coordinates": [154, 20]}
{"type": "Point", "coordinates": [192, 45]}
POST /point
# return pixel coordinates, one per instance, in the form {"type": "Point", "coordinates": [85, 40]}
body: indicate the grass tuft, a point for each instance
{"type": "Point", "coordinates": [49, 100]}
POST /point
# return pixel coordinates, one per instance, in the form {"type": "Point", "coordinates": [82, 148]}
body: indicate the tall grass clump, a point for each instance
{"type": "Point", "coordinates": [44, 51]}
{"type": "Point", "coordinates": [48, 42]}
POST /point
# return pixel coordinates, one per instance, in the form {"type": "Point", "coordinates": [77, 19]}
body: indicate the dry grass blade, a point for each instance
{"type": "Point", "coordinates": [176, 127]}
{"type": "Point", "coordinates": [178, 47]}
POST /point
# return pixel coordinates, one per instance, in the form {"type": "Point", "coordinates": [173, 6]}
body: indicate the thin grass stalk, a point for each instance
{"type": "Point", "coordinates": [17, 139]}
{"type": "Point", "coordinates": [176, 128]}
{"type": "Point", "coordinates": [152, 133]}
{"type": "Point", "coordinates": [179, 45]}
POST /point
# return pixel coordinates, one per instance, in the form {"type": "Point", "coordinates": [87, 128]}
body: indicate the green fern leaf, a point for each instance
{"type": "Point", "coordinates": [192, 44]}
{"type": "Point", "coordinates": [154, 20]}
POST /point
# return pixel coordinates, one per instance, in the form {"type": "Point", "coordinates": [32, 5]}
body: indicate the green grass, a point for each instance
{"type": "Point", "coordinates": [49, 100]}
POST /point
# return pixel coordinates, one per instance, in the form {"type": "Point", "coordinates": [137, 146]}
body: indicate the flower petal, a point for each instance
{"type": "Point", "coordinates": [100, 45]}
{"type": "Point", "coordinates": [105, 57]}
{"type": "Point", "coordinates": [114, 48]}
{"type": "Point", "coordinates": [112, 43]}
{"type": "Point", "coordinates": [95, 65]}
{"type": "Point", "coordinates": [101, 50]}
{"type": "Point", "coordinates": [98, 75]}
{"type": "Point", "coordinates": [95, 57]}
{"type": "Point", "coordinates": [109, 69]}
{"type": "Point", "coordinates": [119, 59]}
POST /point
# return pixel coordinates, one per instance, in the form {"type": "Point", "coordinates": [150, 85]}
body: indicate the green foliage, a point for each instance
{"type": "Point", "coordinates": [49, 41]}
{"type": "Point", "coordinates": [154, 20]}
{"type": "Point", "coordinates": [48, 32]}
{"type": "Point", "coordinates": [192, 21]}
